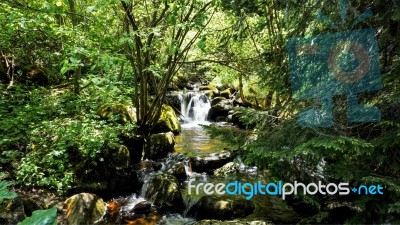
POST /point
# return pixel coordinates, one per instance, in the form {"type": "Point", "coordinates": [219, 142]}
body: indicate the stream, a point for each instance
{"type": "Point", "coordinates": [192, 142]}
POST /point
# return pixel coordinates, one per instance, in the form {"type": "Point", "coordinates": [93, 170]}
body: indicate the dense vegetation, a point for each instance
{"type": "Point", "coordinates": [61, 60]}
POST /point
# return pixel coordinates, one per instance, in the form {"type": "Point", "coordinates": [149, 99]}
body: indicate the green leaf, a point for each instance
{"type": "Point", "coordinates": [4, 192]}
{"type": "Point", "coordinates": [202, 43]}
{"type": "Point", "coordinates": [42, 217]}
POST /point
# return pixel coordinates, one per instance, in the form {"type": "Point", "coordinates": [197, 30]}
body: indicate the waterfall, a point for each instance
{"type": "Point", "coordinates": [194, 107]}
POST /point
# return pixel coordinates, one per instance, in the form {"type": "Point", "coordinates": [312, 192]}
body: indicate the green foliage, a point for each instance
{"type": "Point", "coordinates": [4, 192]}
{"type": "Point", "coordinates": [229, 134]}
{"type": "Point", "coordinates": [42, 217]}
{"type": "Point", "coordinates": [48, 136]}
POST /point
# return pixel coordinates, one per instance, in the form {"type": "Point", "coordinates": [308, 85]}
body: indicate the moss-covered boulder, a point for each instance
{"type": "Point", "coordinates": [84, 209]}
{"type": "Point", "coordinates": [178, 170]}
{"type": "Point", "coordinates": [159, 145]}
{"type": "Point", "coordinates": [220, 111]}
{"type": "Point", "coordinates": [210, 162]}
{"type": "Point", "coordinates": [227, 170]}
{"type": "Point", "coordinates": [226, 93]}
{"type": "Point", "coordinates": [163, 191]}
{"type": "Point", "coordinates": [211, 90]}
{"type": "Point", "coordinates": [222, 207]}
{"type": "Point", "coordinates": [124, 113]}
{"type": "Point", "coordinates": [168, 121]}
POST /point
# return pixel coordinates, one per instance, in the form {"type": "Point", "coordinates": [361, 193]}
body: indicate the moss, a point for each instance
{"type": "Point", "coordinates": [84, 209]}
{"type": "Point", "coordinates": [226, 93]}
{"type": "Point", "coordinates": [168, 121]}
{"type": "Point", "coordinates": [124, 112]}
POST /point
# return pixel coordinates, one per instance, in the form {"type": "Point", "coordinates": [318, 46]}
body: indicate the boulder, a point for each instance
{"type": "Point", "coordinates": [163, 191]}
{"type": "Point", "coordinates": [168, 121]}
{"type": "Point", "coordinates": [228, 169]}
{"type": "Point", "coordinates": [276, 210]}
{"type": "Point", "coordinates": [84, 209]}
{"type": "Point", "coordinates": [217, 100]}
{"type": "Point", "coordinates": [226, 93]}
{"type": "Point", "coordinates": [210, 163]}
{"type": "Point", "coordinates": [211, 90]}
{"type": "Point", "coordinates": [12, 211]}
{"type": "Point", "coordinates": [159, 145]}
{"type": "Point", "coordinates": [221, 207]}
{"type": "Point", "coordinates": [178, 170]}
{"type": "Point", "coordinates": [174, 100]}
{"type": "Point", "coordinates": [124, 113]}
{"type": "Point", "coordinates": [220, 111]}
{"type": "Point", "coordinates": [143, 207]}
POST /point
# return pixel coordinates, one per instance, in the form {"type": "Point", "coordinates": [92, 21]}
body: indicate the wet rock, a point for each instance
{"type": "Point", "coordinates": [228, 169]}
{"type": "Point", "coordinates": [178, 170]}
{"type": "Point", "coordinates": [12, 211]}
{"type": "Point", "coordinates": [159, 145]}
{"type": "Point", "coordinates": [210, 163]}
{"type": "Point", "coordinates": [222, 207]}
{"type": "Point", "coordinates": [231, 222]}
{"type": "Point", "coordinates": [220, 111]}
{"type": "Point", "coordinates": [139, 219]}
{"type": "Point", "coordinates": [217, 100]}
{"type": "Point", "coordinates": [275, 209]}
{"type": "Point", "coordinates": [174, 100]}
{"type": "Point", "coordinates": [168, 121]}
{"type": "Point", "coordinates": [143, 207]}
{"type": "Point", "coordinates": [226, 93]}
{"type": "Point", "coordinates": [163, 191]}
{"type": "Point", "coordinates": [340, 211]}
{"type": "Point", "coordinates": [84, 209]}
{"type": "Point", "coordinates": [124, 113]}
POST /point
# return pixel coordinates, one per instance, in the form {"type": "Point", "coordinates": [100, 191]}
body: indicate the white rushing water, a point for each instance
{"type": "Point", "coordinates": [194, 108]}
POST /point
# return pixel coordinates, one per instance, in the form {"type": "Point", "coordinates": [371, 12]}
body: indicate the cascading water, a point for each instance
{"type": "Point", "coordinates": [194, 107]}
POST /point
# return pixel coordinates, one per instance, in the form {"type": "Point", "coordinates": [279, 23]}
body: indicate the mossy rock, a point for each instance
{"type": "Point", "coordinates": [222, 207]}
{"type": "Point", "coordinates": [226, 93]}
{"type": "Point", "coordinates": [212, 91]}
{"type": "Point", "coordinates": [124, 113]}
{"type": "Point", "coordinates": [84, 209]}
{"type": "Point", "coordinates": [159, 145]}
{"type": "Point", "coordinates": [163, 191]}
{"type": "Point", "coordinates": [227, 170]}
{"type": "Point", "coordinates": [168, 121]}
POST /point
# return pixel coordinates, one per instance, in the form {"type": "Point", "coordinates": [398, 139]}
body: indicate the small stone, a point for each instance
{"type": "Point", "coordinates": [143, 207]}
